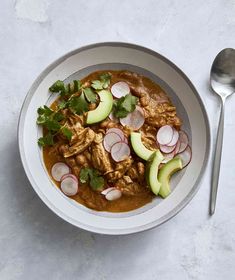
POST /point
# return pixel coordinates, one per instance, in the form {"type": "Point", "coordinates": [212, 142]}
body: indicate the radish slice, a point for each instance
{"type": "Point", "coordinates": [167, 149]}
{"type": "Point", "coordinates": [120, 89]}
{"type": "Point", "coordinates": [113, 194]}
{"type": "Point", "coordinates": [69, 186]}
{"type": "Point", "coordinates": [135, 119]}
{"type": "Point", "coordinates": [113, 118]}
{"type": "Point", "coordinates": [110, 139]}
{"type": "Point", "coordinates": [186, 156]}
{"type": "Point", "coordinates": [104, 192]}
{"type": "Point", "coordinates": [165, 135]}
{"type": "Point", "coordinates": [117, 131]}
{"type": "Point", "coordinates": [125, 140]}
{"type": "Point", "coordinates": [58, 170]}
{"type": "Point", "coordinates": [183, 138]}
{"type": "Point", "coordinates": [120, 151]}
{"type": "Point", "coordinates": [177, 147]}
{"type": "Point", "coordinates": [174, 139]}
{"type": "Point", "coordinates": [168, 157]}
{"type": "Point", "coordinates": [70, 176]}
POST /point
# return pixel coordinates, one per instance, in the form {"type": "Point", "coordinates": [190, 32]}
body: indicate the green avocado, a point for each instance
{"type": "Point", "coordinates": [152, 171]}
{"type": "Point", "coordinates": [139, 147]}
{"type": "Point", "coordinates": [103, 109]}
{"type": "Point", "coordinates": [165, 174]}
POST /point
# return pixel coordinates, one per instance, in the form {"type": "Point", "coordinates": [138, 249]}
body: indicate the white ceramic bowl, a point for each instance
{"type": "Point", "coordinates": [79, 63]}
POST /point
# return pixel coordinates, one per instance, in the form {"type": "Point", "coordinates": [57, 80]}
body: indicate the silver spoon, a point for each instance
{"type": "Point", "coordinates": [223, 83]}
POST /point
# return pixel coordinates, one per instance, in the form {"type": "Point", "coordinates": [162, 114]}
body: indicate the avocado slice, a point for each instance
{"type": "Point", "coordinates": [152, 171]}
{"type": "Point", "coordinates": [165, 174]}
{"type": "Point", "coordinates": [103, 109]}
{"type": "Point", "coordinates": [139, 147]}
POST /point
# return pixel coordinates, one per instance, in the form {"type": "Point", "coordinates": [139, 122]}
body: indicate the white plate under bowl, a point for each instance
{"type": "Point", "coordinates": [78, 64]}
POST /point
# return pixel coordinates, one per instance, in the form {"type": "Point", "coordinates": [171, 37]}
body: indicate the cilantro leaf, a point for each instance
{"type": "Point", "coordinates": [124, 105]}
{"type": "Point", "coordinates": [45, 111]}
{"type": "Point", "coordinates": [58, 86]}
{"type": "Point", "coordinates": [97, 84]}
{"type": "Point", "coordinates": [92, 176]}
{"type": "Point", "coordinates": [97, 183]}
{"type": "Point", "coordinates": [46, 140]}
{"type": "Point", "coordinates": [84, 175]}
{"type": "Point", "coordinates": [103, 83]}
{"type": "Point", "coordinates": [76, 85]}
{"type": "Point", "coordinates": [58, 117]}
{"type": "Point", "coordinates": [90, 95]}
{"type": "Point", "coordinates": [65, 90]}
{"type": "Point", "coordinates": [63, 104]}
{"type": "Point", "coordinates": [52, 125]}
{"type": "Point", "coordinates": [105, 79]}
{"type": "Point", "coordinates": [78, 104]}
{"type": "Point", "coordinates": [67, 132]}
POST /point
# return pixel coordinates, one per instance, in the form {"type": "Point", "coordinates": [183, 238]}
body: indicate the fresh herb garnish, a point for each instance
{"type": "Point", "coordinates": [124, 105]}
{"type": "Point", "coordinates": [50, 120]}
{"type": "Point", "coordinates": [65, 90]}
{"type": "Point", "coordinates": [92, 176]}
{"type": "Point", "coordinates": [90, 95]}
{"type": "Point", "coordinates": [46, 140]}
{"type": "Point", "coordinates": [58, 86]}
{"type": "Point", "coordinates": [103, 83]}
{"type": "Point", "coordinates": [62, 105]}
{"type": "Point", "coordinates": [78, 104]}
{"type": "Point", "coordinates": [67, 133]}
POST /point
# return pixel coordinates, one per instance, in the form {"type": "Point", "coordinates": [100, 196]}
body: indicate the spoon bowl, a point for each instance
{"type": "Point", "coordinates": [223, 73]}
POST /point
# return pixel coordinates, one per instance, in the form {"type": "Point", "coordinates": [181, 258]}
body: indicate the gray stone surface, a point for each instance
{"type": "Point", "coordinates": [35, 243]}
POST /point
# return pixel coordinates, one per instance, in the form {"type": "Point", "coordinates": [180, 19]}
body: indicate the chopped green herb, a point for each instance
{"type": "Point", "coordinates": [124, 105]}
{"type": "Point", "coordinates": [52, 125]}
{"type": "Point", "coordinates": [58, 117]}
{"type": "Point", "coordinates": [105, 79]}
{"type": "Point", "coordinates": [58, 86]}
{"type": "Point", "coordinates": [46, 140]}
{"type": "Point", "coordinates": [65, 90]}
{"type": "Point", "coordinates": [78, 104]}
{"type": "Point", "coordinates": [90, 95]}
{"type": "Point", "coordinates": [103, 83]}
{"type": "Point", "coordinates": [97, 182]}
{"type": "Point", "coordinates": [97, 84]}
{"type": "Point", "coordinates": [45, 111]}
{"type": "Point", "coordinates": [92, 176]}
{"type": "Point", "coordinates": [84, 175]}
{"type": "Point", "coordinates": [67, 133]}
{"type": "Point", "coordinates": [76, 85]}
{"type": "Point", "coordinates": [62, 105]}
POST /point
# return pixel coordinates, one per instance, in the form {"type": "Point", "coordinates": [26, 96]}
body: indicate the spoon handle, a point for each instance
{"type": "Point", "coordinates": [217, 159]}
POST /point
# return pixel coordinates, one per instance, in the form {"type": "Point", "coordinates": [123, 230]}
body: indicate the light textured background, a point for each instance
{"type": "Point", "coordinates": [36, 244]}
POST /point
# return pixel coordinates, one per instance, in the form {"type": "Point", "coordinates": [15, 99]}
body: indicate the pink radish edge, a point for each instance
{"type": "Point", "coordinates": [174, 139]}
{"type": "Point", "coordinates": [110, 139]}
{"type": "Point", "coordinates": [120, 89]}
{"type": "Point", "coordinates": [183, 138]}
{"type": "Point", "coordinates": [165, 135]}
{"type": "Point", "coordinates": [167, 149]}
{"type": "Point", "coordinates": [117, 131]}
{"type": "Point", "coordinates": [135, 119]}
{"type": "Point", "coordinates": [186, 156]}
{"type": "Point", "coordinates": [69, 186]}
{"type": "Point", "coordinates": [120, 151]}
{"type": "Point", "coordinates": [58, 170]}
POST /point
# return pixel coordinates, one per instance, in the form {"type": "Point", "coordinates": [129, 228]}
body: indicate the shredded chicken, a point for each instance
{"type": "Point", "coordinates": [84, 138]}
{"type": "Point", "coordinates": [120, 169]}
{"type": "Point", "coordinates": [129, 189]}
{"type": "Point", "coordinates": [99, 157]}
{"type": "Point", "coordinates": [136, 172]}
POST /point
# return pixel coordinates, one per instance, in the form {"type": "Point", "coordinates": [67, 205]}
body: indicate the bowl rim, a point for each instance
{"type": "Point", "coordinates": [49, 204]}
